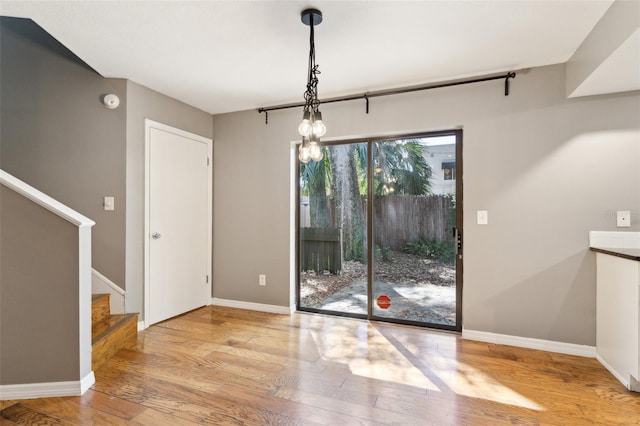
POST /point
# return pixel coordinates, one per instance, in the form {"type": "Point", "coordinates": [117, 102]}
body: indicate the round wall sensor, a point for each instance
{"type": "Point", "coordinates": [111, 101]}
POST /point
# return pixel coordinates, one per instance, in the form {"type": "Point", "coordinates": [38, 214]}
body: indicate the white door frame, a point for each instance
{"type": "Point", "coordinates": [148, 125]}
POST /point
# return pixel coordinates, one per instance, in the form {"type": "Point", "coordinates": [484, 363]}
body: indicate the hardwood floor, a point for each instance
{"type": "Point", "coordinates": [228, 366]}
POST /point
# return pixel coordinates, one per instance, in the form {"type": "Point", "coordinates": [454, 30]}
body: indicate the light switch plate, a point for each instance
{"type": "Point", "coordinates": [623, 219]}
{"type": "Point", "coordinates": [482, 217]}
{"type": "Point", "coordinates": [109, 203]}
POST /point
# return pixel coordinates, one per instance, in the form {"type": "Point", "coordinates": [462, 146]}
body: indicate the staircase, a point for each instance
{"type": "Point", "coordinates": [109, 333]}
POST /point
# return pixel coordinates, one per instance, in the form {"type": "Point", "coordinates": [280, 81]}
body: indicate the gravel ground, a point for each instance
{"type": "Point", "coordinates": [420, 289]}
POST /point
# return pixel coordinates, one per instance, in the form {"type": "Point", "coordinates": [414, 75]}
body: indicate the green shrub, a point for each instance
{"type": "Point", "coordinates": [383, 253]}
{"type": "Point", "coordinates": [442, 251]}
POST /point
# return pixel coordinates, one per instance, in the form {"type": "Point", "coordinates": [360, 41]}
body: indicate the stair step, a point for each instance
{"type": "Point", "coordinates": [111, 334]}
{"type": "Point", "coordinates": [100, 307]}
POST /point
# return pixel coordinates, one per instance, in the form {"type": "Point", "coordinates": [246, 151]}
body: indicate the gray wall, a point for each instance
{"type": "Point", "coordinates": [58, 137]}
{"type": "Point", "coordinates": [39, 295]}
{"type": "Point", "coordinates": [547, 169]}
{"type": "Point", "coordinates": [145, 103]}
{"type": "Point", "coordinates": [251, 206]}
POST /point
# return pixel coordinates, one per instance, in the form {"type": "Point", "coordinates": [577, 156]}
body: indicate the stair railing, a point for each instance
{"type": "Point", "coordinates": [19, 264]}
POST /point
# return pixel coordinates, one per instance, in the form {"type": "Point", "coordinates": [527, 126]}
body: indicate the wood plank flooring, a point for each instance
{"type": "Point", "coordinates": [228, 366]}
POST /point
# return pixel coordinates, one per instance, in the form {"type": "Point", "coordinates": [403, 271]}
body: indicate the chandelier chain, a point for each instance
{"type": "Point", "coordinates": [311, 128]}
{"type": "Point", "coordinates": [311, 95]}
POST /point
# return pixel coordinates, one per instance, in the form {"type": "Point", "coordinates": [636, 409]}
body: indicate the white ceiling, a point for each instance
{"type": "Point", "coordinates": [223, 56]}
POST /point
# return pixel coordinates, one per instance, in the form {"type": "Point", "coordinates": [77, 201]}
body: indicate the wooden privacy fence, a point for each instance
{"type": "Point", "coordinates": [321, 249]}
{"type": "Point", "coordinates": [399, 219]}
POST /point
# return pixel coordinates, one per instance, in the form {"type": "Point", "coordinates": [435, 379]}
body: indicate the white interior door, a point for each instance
{"type": "Point", "coordinates": [178, 222]}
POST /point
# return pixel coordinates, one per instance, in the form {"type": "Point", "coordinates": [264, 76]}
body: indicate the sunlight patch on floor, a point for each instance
{"type": "Point", "coordinates": [368, 353]}
{"type": "Point", "coordinates": [465, 380]}
{"type": "Point", "coordinates": [471, 382]}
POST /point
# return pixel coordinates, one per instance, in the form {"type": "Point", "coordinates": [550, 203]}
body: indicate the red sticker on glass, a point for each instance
{"type": "Point", "coordinates": [383, 301]}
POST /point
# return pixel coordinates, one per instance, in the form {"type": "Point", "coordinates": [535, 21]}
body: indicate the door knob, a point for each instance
{"type": "Point", "coordinates": [155, 236]}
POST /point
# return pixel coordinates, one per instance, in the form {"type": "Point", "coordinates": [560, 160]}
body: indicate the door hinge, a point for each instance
{"type": "Point", "coordinates": [207, 161]}
{"type": "Point", "coordinates": [207, 278]}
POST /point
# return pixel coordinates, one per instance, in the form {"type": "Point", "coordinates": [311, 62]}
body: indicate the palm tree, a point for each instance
{"type": "Point", "coordinates": [400, 168]}
{"type": "Point", "coordinates": [348, 200]}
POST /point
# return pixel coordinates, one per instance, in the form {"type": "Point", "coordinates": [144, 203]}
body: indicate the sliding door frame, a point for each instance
{"type": "Point", "coordinates": [457, 133]}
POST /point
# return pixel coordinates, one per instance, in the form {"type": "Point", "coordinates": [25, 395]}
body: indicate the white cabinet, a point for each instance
{"type": "Point", "coordinates": [618, 316]}
{"type": "Point", "coordinates": [618, 304]}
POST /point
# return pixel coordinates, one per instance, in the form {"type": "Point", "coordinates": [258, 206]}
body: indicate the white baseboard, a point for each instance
{"type": "Point", "coordinates": [273, 309]}
{"type": "Point", "coordinates": [101, 284]}
{"type": "Point", "coordinates": [530, 343]}
{"type": "Point", "coordinates": [88, 381]}
{"type": "Point", "coordinates": [46, 390]}
{"type": "Point", "coordinates": [626, 381]}
{"type": "Point", "coordinates": [141, 325]}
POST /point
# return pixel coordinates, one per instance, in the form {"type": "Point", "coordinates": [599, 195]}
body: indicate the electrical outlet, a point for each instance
{"type": "Point", "coordinates": [623, 219]}
{"type": "Point", "coordinates": [262, 279]}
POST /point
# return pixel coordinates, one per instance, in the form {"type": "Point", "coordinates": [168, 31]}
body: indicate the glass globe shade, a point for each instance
{"type": "Point", "coordinates": [304, 154]}
{"type": "Point", "coordinates": [315, 152]}
{"type": "Point", "coordinates": [319, 129]}
{"type": "Point", "coordinates": [305, 128]}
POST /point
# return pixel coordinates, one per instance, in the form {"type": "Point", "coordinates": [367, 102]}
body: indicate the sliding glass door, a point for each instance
{"type": "Point", "coordinates": [414, 213]}
{"type": "Point", "coordinates": [380, 233]}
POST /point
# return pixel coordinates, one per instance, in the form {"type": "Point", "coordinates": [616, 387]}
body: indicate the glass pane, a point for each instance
{"type": "Point", "coordinates": [333, 231]}
{"type": "Point", "coordinates": [414, 273]}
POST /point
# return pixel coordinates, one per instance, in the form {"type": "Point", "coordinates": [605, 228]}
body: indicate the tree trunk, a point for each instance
{"type": "Point", "coordinates": [318, 206]}
{"type": "Point", "coordinates": [348, 203]}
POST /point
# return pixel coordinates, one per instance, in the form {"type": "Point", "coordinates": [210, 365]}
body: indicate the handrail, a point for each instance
{"type": "Point", "coordinates": [57, 278]}
{"type": "Point", "coordinates": [44, 200]}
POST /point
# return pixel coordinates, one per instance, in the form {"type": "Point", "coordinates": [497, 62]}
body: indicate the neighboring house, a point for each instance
{"type": "Point", "coordinates": [531, 159]}
{"type": "Point", "coordinates": [440, 154]}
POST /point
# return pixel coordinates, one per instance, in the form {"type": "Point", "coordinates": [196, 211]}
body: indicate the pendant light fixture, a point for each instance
{"type": "Point", "coordinates": [311, 128]}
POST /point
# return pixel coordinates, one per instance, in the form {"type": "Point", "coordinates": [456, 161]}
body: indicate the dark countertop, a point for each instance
{"type": "Point", "coordinates": [627, 253]}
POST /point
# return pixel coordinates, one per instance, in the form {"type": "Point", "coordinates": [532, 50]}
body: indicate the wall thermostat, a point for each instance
{"type": "Point", "coordinates": [111, 101]}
